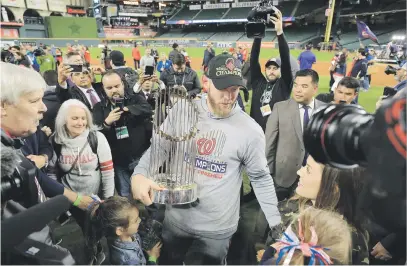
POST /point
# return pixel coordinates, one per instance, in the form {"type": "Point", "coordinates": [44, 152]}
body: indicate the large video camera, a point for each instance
{"type": "Point", "coordinates": [346, 136]}
{"type": "Point", "coordinates": [258, 18]}
{"type": "Point", "coordinates": [20, 219]}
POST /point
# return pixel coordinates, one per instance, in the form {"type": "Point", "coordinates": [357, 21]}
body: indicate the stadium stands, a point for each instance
{"type": "Point", "coordinates": [238, 13]}
{"type": "Point", "coordinates": [211, 14]}
{"type": "Point", "coordinates": [185, 14]}
{"type": "Point", "coordinates": [173, 34]}
{"type": "Point", "coordinates": [201, 36]}
{"type": "Point", "coordinates": [287, 8]}
{"type": "Point", "coordinates": [307, 7]}
{"type": "Point", "coordinates": [399, 5]}
{"type": "Point", "coordinates": [226, 36]}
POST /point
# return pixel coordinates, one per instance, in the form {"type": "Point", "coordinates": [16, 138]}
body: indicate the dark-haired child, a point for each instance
{"type": "Point", "coordinates": [117, 218]}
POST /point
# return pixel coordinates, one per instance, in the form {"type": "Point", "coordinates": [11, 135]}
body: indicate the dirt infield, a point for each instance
{"type": "Point", "coordinates": [378, 79]}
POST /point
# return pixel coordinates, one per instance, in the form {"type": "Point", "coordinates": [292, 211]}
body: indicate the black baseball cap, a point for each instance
{"type": "Point", "coordinates": [273, 61]}
{"type": "Point", "coordinates": [223, 72]}
{"type": "Point", "coordinates": [117, 58]}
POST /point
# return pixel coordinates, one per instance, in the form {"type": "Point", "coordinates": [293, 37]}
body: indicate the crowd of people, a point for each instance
{"type": "Point", "coordinates": [91, 141]}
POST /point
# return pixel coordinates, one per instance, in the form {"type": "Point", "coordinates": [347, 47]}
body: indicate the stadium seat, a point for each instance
{"type": "Point", "coordinates": [211, 14]}
{"type": "Point", "coordinates": [185, 14]}
{"type": "Point", "coordinates": [238, 13]}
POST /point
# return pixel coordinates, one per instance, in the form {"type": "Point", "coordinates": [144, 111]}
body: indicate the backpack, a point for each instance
{"type": "Point", "coordinates": [93, 143]}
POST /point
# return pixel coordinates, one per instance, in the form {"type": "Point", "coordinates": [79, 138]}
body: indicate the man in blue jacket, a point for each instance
{"type": "Point", "coordinates": [359, 69]}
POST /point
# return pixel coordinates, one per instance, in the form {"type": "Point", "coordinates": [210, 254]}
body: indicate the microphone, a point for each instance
{"type": "Point", "coordinates": [9, 160]}
{"type": "Point", "coordinates": [16, 228]}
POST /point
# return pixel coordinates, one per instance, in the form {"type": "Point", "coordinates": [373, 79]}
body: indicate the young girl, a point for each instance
{"type": "Point", "coordinates": [118, 220]}
{"type": "Point", "coordinates": [314, 237]}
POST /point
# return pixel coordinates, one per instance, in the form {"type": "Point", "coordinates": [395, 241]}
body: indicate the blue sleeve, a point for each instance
{"type": "Point", "coordinates": [314, 60]}
{"type": "Point", "coordinates": [159, 66]}
{"type": "Point", "coordinates": [50, 187]}
{"type": "Point", "coordinates": [299, 57]}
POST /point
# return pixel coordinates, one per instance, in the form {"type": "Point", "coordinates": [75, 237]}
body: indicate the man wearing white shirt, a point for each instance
{"type": "Point", "coordinates": [84, 90]}
{"type": "Point", "coordinates": [285, 149]}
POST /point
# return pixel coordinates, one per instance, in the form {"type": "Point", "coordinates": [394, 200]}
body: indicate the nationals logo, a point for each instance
{"type": "Point", "coordinates": [210, 148]}
{"type": "Point", "coordinates": [206, 146]}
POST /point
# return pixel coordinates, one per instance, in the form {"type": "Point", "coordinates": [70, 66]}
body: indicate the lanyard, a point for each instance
{"type": "Point", "coordinates": [175, 80]}
{"type": "Point", "coordinates": [267, 95]}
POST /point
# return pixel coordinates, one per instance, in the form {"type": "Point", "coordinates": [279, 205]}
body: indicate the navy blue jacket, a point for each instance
{"type": "Point", "coordinates": [359, 66]}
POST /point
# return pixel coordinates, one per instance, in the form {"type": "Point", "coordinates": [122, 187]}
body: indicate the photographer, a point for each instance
{"type": "Point", "coordinates": [123, 118]}
{"type": "Point", "coordinates": [22, 109]}
{"type": "Point", "coordinates": [275, 86]}
{"type": "Point", "coordinates": [181, 75]}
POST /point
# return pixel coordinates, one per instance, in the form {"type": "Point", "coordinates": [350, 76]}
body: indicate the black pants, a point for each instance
{"type": "Point", "coordinates": [136, 64]}
{"type": "Point", "coordinates": [179, 248]}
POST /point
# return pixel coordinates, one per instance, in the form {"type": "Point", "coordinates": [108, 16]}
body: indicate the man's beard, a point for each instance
{"type": "Point", "coordinates": [217, 108]}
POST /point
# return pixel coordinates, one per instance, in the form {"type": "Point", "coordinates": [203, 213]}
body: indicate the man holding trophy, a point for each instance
{"type": "Point", "coordinates": [195, 166]}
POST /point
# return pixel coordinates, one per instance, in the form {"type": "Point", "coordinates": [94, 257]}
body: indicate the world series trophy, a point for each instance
{"type": "Point", "coordinates": [172, 157]}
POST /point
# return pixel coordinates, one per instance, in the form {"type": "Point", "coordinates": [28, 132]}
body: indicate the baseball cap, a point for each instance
{"type": "Point", "coordinates": [274, 61]}
{"type": "Point", "coordinates": [117, 58]}
{"type": "Point", "coordinates": [223, 72]}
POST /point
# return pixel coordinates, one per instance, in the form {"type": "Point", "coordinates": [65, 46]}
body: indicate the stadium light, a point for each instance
{"type": "Point", "coordinates": [398, 37]}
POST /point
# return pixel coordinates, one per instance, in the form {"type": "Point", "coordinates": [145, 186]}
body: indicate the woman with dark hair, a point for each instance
{"type": "Point", "coordinates": [332, 189]}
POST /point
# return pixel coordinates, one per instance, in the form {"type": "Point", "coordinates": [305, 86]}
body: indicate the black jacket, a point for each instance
{"type": "Point", "coordinates": [75, 93]}
{"type": "Point", "coordinates": [190, 78]}
{"type": "Point", "coordinates": [207, 57]}
{"type": "Point", "coordinates": [282, 86]}
{"type": "Point", "coordinates": [139, 126]}
{"type": "Point", "coordinates": [53, 103]}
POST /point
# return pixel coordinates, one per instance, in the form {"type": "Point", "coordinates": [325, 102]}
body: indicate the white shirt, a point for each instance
{"type": "Point", "coordinates": [311, 108]}
{"type": "Point", "coordinates": [137, 86]}
{"type": "Point", "coordinates": [146, 93]}
{"type": "Point", "coordinates": [88, 94]}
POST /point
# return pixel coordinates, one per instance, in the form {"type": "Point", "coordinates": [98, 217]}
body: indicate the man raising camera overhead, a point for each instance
{"type": "Point", "coordinates": [275, 86]}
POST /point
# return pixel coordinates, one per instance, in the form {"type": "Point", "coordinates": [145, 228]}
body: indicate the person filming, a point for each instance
{"type": "Point", "coordinates": [275, 86]}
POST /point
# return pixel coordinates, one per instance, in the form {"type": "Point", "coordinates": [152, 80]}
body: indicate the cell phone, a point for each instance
{"type": "Point", "coordinates": [389, 91]}
{"type": "Point", "coordinates": [76, 68]}
{"type": "Point", "coordinates": [149, 71]}
{"type": "Point", "coordinates": [119, 102]}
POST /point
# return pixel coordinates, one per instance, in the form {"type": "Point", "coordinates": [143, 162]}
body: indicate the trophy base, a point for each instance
{"type": "Point", "coordinates": [176, 196]}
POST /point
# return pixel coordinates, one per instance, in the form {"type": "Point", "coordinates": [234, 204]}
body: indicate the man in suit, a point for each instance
{"type": "Point", "coordinates": [83, 89]}
{"type": "Point", "coordinates": [285, 149]}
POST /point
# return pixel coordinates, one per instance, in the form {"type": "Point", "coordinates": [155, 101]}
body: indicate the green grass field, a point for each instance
{"type": "Point", "coordinates": [366, 99]}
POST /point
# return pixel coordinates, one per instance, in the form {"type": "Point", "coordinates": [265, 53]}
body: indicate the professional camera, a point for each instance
{"type": "Point", "coordinates": [390, 70]}
{"type": "Point", "coordinates": [258, 18]}
{"type": "Point", "coordinates": [15, 179]}
{"type": "Point", "coordinates": [346, 136]}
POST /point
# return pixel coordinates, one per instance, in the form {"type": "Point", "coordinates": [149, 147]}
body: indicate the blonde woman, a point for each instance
{"type": "Point", "coordinates": [82, 159]}
{"type": "Point", "coordinates": [164, 63]}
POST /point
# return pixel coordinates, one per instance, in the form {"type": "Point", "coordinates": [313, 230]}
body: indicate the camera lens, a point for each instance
{"type": "Point", "coordinates": [335, 135]}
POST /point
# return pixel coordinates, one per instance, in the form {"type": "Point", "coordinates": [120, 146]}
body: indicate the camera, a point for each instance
{"type": "Point", "coordinates": [258, 18]}
{"type": "Point", "coordinates": [335, 133]}
{"type": "Point", "coordinates": [346, 136]}
{"type": "Point", "coordinates": [390, 70]}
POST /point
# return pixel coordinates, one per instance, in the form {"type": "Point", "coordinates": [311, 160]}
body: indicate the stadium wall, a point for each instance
{"type": "Point", "coordinates": [159, 42]}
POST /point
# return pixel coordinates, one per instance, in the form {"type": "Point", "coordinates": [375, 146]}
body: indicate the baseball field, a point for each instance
{"type": "Point", "coordinates": [366, 99]}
